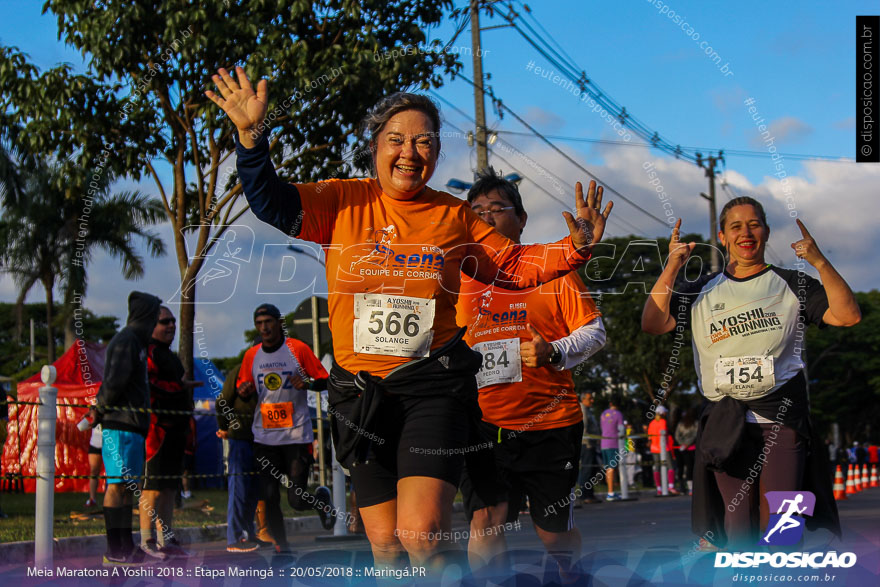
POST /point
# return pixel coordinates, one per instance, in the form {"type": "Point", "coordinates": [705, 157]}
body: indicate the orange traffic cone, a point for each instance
{"type": "Point", "coordinates": [857, 479]}
{"type": "Point", "coordinates": [864, 476]}
{"type": "Point", "coordinates": [873, 481]}
{"type": "Point", "coordinates": [850, 486]}
{"type": "Point", "coordinates": [839, 487]}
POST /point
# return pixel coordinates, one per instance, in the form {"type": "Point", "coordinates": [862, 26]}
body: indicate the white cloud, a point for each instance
{"type": "Point", "coordinates": [787, 129]}
{"type": "Point", "coordinates": [833, 199]}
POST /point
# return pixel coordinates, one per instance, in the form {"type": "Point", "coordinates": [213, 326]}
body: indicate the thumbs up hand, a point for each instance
{"type": "Point", "coordinates": [535, 352]}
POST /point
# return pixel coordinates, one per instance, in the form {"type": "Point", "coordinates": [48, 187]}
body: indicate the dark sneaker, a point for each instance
{"type": "Point", "coordinates": [173, 549]}
{"type": "Point", "coordinates": [242, 546]}
{"type": "Point", "coordinates": [263, 543]}
{"type": "Point", "coordinates": [134, 559]}
{"type": "Point", "coordinates": [324, 505]}
{"type": "Point", "coordinates": [151, 549]}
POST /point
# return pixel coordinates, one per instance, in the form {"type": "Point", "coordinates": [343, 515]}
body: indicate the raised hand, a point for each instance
{"type": "Point", "coordinates": [679, 252]}
{"type": "Point", "coordinates": [806, 248]}
{"type": "Point", "coordinates": [589, 226]}
{"type": "Point", "coordinates": [535, 352]}
{"type": "Point", "coordinates": [246, 109]}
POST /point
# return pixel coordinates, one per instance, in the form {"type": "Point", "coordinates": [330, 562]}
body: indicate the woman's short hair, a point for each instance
{"type": "Point", "coordinates": [488, 180]}
{"type": "Point", "coordinates": [387, 107]}
{"type": "Point", "coordinates": [740, 201]}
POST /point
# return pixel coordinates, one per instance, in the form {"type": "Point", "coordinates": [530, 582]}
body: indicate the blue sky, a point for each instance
{"type": "Point", "coordinates": [796, 60]}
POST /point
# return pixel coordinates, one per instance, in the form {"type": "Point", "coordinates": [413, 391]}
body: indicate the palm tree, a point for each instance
{"type": "Point", "coordinates": [51, 234]}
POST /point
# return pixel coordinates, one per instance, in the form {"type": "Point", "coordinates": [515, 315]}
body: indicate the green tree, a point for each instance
{"type": "Point", "coordinates": [149, 63]}
{"type": "Point", "coordinates": [15, 354]}
{"type": "Point", "coordinates": [619, 275]}
{"type": "Point", "coordinates": [49, 237]}
{"type": "Point", "coordinates": [843, 365]}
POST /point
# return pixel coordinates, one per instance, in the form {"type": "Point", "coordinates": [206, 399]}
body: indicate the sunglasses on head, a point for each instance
{"type": "Point", "coordinates": [167, 321]}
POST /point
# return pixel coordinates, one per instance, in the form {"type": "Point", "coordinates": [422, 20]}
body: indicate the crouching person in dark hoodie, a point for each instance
{"type": "Point", "coordinates": [125, 390]}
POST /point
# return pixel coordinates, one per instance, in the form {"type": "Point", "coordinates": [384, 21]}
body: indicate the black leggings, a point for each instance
{"type": "Point", "coordinates": [293, 461]}
{"type": "Point", "coordinates": [772, 460]}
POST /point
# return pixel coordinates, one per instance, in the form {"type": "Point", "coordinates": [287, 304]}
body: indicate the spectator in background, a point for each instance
{"type": "Point", "coordinates": [686, 435]}
{"type": "Point", "coordinates": [95, 464]}
{"type": "Point", "coordinates": [861, 454]}
{"type": "Point", "coordinates": [120, 408]}
{"type": "Point", "coordinates": [872, 454]}
{"type": "Point", "coordinates": [655, 430]}
{"type": "Point", "coordinates": [235, 416]}
{"type": "Point", "coordinates": [165, 440]}
{"type": "Point", "coordinates": [590, 451]}
{"type": "Point", "coordinates": [609, 422]}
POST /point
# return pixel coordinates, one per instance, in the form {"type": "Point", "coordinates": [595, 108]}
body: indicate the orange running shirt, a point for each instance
{"type": "Point", "coordinates": [394, 267]}
{"type": "Point", "coordinates": [512, 395]}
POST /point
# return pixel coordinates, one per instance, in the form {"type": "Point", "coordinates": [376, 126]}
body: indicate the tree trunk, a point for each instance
{"type": "Point", "coordinates": [69, 334]}
{"type": "Point", "coordinates": [50, 336]}
{"type": "Point", "coordinates": [187, 322]}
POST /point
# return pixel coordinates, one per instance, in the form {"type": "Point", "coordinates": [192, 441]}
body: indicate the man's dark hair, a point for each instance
{"type": "Point", "coordinates": [488, 180]}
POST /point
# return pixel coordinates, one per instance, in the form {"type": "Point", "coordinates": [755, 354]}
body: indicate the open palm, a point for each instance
{"type": "Point", "coordinates": [589, 226]}
{"type": "Point", "coordinates": [245, 108]}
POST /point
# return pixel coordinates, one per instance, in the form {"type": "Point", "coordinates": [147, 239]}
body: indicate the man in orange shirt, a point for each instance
{"type": "Point", "coordinates": [530, 411]}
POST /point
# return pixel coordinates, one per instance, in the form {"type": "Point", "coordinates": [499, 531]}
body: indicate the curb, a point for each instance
{"type": "Point", "coordinates": [96, 544]}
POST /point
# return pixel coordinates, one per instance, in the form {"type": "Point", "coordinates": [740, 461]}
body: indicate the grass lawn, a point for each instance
{"type": "Point", "coordinates": [207, 507]}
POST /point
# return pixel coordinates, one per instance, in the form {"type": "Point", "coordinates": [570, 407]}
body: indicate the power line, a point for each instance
{"type": "Point", "coordinates": [727, 152]}
{"type": "Point", "coordinates": [578, 76]}
{"type": "Point", "coordinates": [565, 205]}
{"type": "Point", "coordinates": [534, 131]}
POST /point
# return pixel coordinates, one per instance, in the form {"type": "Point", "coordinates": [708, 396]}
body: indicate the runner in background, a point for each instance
{"type": "Point", "coordinates": [610, 422]}
{"type": "Point", "coordinates": [747, 325]}
{"type": "Point", "coordinates": [395, 251]}
{"type": "Point", "coordinates": [529, 339]}
{"type": "Point", "coordinates": [590, 450]}
{"type": "Point", "coordinates": [280, 370]}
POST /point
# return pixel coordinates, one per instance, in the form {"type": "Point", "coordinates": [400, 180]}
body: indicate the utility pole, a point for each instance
{"type": "Point", "coordinates": [709, 166]}
{"type": "Point", "coordinates": [479, 101]}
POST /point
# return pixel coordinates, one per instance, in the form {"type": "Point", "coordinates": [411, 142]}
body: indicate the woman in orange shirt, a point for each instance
{"type": "Point", "coordinates": [402, 387]}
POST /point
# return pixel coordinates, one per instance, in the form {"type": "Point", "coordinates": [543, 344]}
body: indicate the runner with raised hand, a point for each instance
{"type": "Point", "coordinates": [395, 250]}
{"type": "Point", "coordinates": [529, 441]}
{"type": "Point", "coordinates": [747, 325]}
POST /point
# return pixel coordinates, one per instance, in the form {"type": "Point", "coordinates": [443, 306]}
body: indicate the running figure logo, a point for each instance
{"type": "Point", "coordinates": [786, 526]}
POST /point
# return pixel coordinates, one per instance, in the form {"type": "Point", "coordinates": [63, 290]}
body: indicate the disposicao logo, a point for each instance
{"type": "Point", "coordinates": [786, 527]}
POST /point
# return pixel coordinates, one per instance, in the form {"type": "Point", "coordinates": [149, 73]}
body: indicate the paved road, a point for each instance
{"type": "Point", "coordinates": [641, 542]}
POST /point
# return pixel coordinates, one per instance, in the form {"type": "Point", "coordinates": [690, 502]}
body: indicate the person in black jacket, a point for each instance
{"type": "Point", "coordinates": [165, 440]}
{"type": "Point", "coordinates": [125, 390]}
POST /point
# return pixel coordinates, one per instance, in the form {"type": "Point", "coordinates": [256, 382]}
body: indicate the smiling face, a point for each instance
{"type": "Point", "coordinates": [507, 221]}
{"type": "Point", "coordinates": [744, 235]}
{"type": "Point", "coordinates": [406, 151]}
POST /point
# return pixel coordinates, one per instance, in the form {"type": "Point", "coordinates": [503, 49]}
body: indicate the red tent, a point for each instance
{"type": "Point", "coordinates": [79, 372]}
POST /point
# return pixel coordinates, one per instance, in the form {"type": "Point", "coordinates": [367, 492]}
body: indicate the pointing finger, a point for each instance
{"type": "Point", "coordinates": [804, 231]}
